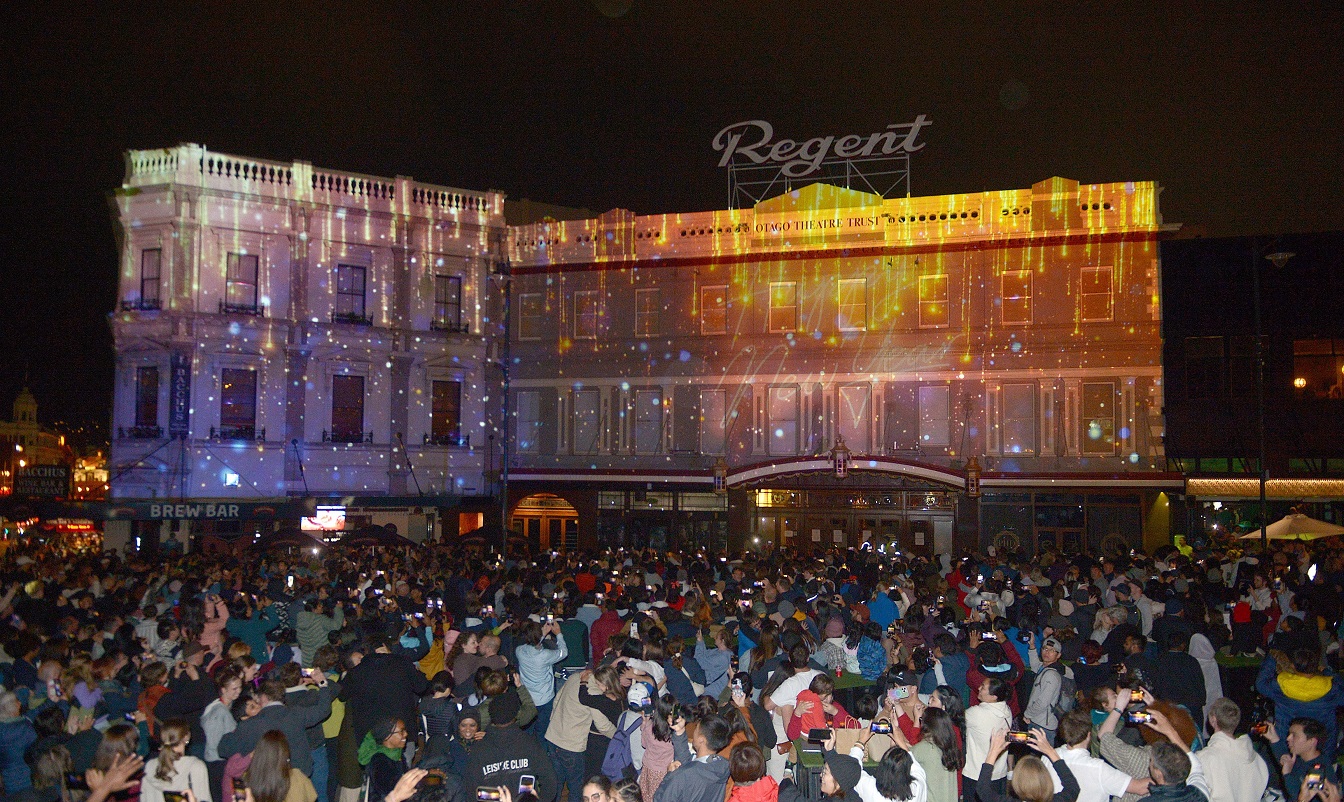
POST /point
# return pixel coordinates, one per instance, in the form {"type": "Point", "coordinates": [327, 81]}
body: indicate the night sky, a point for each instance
{"type": "Point", "coordinates": [1234, 108]}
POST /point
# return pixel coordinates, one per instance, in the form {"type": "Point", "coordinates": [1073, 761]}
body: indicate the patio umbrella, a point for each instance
{"type": "Point", "coordinates": [1296, 526]}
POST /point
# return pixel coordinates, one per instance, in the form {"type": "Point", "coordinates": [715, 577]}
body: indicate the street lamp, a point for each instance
{"type": "Point", "coordinates": [1278, 259]}
{"type": "Point", "coordinates": [840, 457]}
{"type": "Point", "coordinates": [721, 476]}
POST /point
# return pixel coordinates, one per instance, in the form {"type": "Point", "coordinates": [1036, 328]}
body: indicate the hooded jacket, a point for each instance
{"type": "Point", "coordinates": [763, 790]}
{"type": "Point", "coordinates": [1302, 696]}
{"type": "Point", "coordinates": [1235, 771]}
{"type": "Point", "coordinates": [506, 754]}
{"type": "Point", "coordinates": [696, 780]}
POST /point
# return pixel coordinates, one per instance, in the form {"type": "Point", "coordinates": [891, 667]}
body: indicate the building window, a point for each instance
{"type": "Point", "coordinates": [347, 409]}
{"type": "Point", "coordinates": [528, 414]}
{"type": "Point", "coordinates": [935, 309]}
{"type": "Point", "coordinates": [586, 312]}
{"type": "Point", "coordinates": [855, 416]}
{"type": "Point", "coordinates": [783, 307]}
{"type": "Point", "coordinates": [1098, 418]}
{"type": "Point", "coordinates": [713, 421]}
{"type": "Point", "coordinates": [448, 303]}
{"type": "Point", "coordinates": [238, 403]}
{"type": "Point", "coordinates": [1019, 419]}
{"type": "Point", "coordinates": [240, 285]}
{"type": "Point", "coordinates": [1015, 296]}
{"type": "Point", "coordinates": [531, 315]}
{"type": "Point", "coordinates": [714, 309]}
{"type": "Point", "coordinates": [587, 429]}
{"type": "Point", "coordinates": [351, 283]}
{"type": "Point", "coordinates": [853, 304]}
{"type": "Point", "coordinates": [783, 421]}
{"type": "Point", "coordinates": [1318, 368]}
{"type": "Point", "coordinates": [1095, 295]}
{"type": "Point", "coordinates": [648, 421]}
{"type": "Point", "coordinates": [146, 397]}
{"type": "Point", "coordinates": [1203, 367]}
{"type": "Point", "coordinates": [935, 417]}
{"type": "Point", "coordinates": [648, 310]}
{"type": "Point", "coordinates": [151, 270]}
{"type": "Point", "coordinates": [445, 413]}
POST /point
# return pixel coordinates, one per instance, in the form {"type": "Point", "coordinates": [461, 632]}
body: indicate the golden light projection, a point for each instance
{"type": "Point", "coordinates": [1019, 324]}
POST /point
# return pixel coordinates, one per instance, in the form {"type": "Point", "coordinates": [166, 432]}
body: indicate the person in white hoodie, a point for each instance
{"type": "Point", "coordinates": [982, 721]}
{"type": "Point", "coordinates": [1235, 771]}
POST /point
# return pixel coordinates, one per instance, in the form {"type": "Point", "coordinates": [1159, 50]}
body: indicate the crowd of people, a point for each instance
{"type": "Point", "coordinates": [428, 674]}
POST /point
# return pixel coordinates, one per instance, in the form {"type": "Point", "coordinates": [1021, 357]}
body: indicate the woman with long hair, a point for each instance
{"type": "Point", "coordinates": [120, 742]}
{"type": "Point", "coordinates": [897, 775]}
{"type": "Point", "coordinates": [945, 697]}
{"type": "Point", "coordinates": [940, 752]}
{"type": "Point", "coordinates": [174, 769]}
{"type": "Point", "coordinates": [656, 737]}
{"type": "Point", "coordinates": [1031, 780]}
{"type": "Point", "coordinates": [272, 778]}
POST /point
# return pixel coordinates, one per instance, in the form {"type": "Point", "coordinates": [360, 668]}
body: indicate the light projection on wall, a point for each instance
{"type": "Point", "coordinates": [921, 328]}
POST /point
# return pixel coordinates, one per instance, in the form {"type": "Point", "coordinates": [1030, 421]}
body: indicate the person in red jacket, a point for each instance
{"type": "Point", "coordinates": [607, 624]}
{"type": "Point", "coordinates": [995, 658]}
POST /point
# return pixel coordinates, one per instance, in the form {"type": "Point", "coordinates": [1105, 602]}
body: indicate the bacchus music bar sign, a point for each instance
{"type": "Point", "coordinates": [752, 141]}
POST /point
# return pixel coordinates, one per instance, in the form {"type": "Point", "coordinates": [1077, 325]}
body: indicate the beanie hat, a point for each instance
{"type": "Point", "coordinates": [504, 708]}
{"type": "Point", "coordinates": [786, 609]}
{"type": "Point", "coordinates": [846, 770]}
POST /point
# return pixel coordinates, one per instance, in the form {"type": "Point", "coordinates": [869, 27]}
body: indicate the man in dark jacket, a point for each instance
{"type": "Point", "coordinates": [190, 691]}
{"type": "Point", "coordinates": [383, 684]}
{"type": "Point", "coordinates": [274, 715]}
{"type": "Point", "coordinates": [506, 754]}
{"type": "Point", "coordinates": [1178, 678]}
{"type": "Point", "coordinates": [704, 777]}
{"type": "Point", "coordinates": [301, 693]}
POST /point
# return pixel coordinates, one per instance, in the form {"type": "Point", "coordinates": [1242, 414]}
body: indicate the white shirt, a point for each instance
{"type": "Point", "coordinates": [867, 787]}
{"type": "Point", "coordinates": [1098, 780]}
{"type": "Point", "coordinates": [1236, 773]}
{"type": "Point", "coordinates": [788, 690]}
{"type": "Point", "coordinates": [982, 721]}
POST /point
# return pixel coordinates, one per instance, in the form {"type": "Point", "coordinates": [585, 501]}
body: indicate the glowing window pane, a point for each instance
{"type": "Point", "coordinates": [1098, 418]}
{"type": "Point", "coordinates": [783, 307]}
{"type": "Point", "coordinates": [714, 309]}
{"type": "Point", "coordinates": [648, 421]}
{"type": "Point", "coordinates": [648, 311]}
{"type": "Point", "coordinates": [853, 303]}
{"type": "Point", "coordinates": [586, 312]}
{"type": "Point", "coordinates": [1018, 425]}
{"type": "Point", "coordinates": [586, 422]}
{"type": "Point", "coordinates": [783, 408]}
{"type": "Point", "coordinates": [713, 421]}
{"type": "Point", "coordinates": [240, 285]}
{"type": "Point", "coordinates": [528, 410]}
{"type": "Point", "coordinates": [1015, 295]}
{"type": "Point", "coordinates": [531, 315]}
{"type": "Point", "coordinates": [935, 309]}
{"type": "Point", "coordinates": [854, 417]}
{"type": "Point", "coordinates": [1321, 363]}
{"type": "Point", "coordinates": [1095, 295]}
{"type": "Point", "coordinates": [934, 417]}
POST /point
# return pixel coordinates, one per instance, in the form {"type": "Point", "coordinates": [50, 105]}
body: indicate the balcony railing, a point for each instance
{"type": "Point", "coordinates": [140, 305]}
{"type": "Point", "coordinates": [346, 437]}
{"type": "Point", "coordinates": [451, 327]}
{"type": "Point", "coordinates": [352, 318]}
{"type": "Point", "coordinates": [447, 440]}
{"type": "Point", "coordinates": [238, 433]}
{"type": "Point", "coordinates": [140, 433]}
{"type": "Point", "coordinates": [239, 309]}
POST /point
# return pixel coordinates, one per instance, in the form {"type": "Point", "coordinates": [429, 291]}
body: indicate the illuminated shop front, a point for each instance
{"type": "Point", "coordinates": [659, 358]}
{"type": "Point", "coordinates": [288, 332]}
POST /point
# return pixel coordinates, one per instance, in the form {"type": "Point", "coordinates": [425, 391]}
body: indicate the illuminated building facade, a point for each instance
{"type": "Point", "coordinates": [287, 331]}
{"type": "Point", "coordinates": [1009, 338]}
{"type": "Point", "coordinates": [26, 443]}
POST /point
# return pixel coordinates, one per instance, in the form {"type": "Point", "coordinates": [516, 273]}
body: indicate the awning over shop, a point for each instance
{"type": "Point", "coordinates": [1213, 489]}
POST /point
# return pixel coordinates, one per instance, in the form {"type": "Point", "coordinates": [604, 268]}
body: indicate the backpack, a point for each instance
{"type": "Point", "coordinates": [619, 763]}
{"type": "Point", "coordinates": [1068, 693]}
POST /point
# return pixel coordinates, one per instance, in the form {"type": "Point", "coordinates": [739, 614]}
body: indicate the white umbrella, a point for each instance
{"type": "Point", "coordinates": [1296, 526]}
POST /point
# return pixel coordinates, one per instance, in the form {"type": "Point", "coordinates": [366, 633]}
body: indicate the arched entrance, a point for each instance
{"type": "Point", "coordinates": [547, 521]}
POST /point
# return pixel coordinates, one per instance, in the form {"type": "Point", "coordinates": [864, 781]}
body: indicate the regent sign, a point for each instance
{"type": "Point", "coordinates": [751, 139]}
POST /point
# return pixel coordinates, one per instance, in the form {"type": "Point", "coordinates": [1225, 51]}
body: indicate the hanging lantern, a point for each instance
{"type": "Point", "coordinates": [973, 478]}
{"type": "Point", "coordinates": [721, 476]}
{"type": "Point", "coordinates": [840, 457]}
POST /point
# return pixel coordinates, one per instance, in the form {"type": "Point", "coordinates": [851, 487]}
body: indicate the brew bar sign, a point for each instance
{"type": "Point", "coordinates": [752, 140]}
